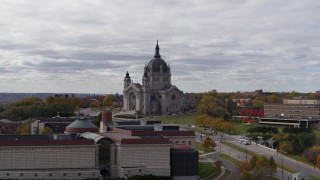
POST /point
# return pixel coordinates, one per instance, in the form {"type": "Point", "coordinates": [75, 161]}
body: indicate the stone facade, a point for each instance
{"type": "Point", "coordinates": [156, 95]}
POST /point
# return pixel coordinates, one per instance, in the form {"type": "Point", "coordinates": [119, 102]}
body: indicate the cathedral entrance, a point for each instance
{"type": "Point", "coordinates": [132, 101]}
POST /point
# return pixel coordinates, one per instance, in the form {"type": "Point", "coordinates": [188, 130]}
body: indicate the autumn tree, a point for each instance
{"type": "Point", "coordinates": [244, 120]}
{"type": "Point", "coordinates": [207, 104]}
{"type": "Point", "coordinates": [227, 126]}
{"type": "Point", "coordinates": [94, 105]}
{"type": "Point", "coordinates": [25, 127]}
{"type": "Point", "coordinates": [245, 166]}
{"type": "Point", "coordinates": [274, 99]}
{"type": "Point", "coordinates": [318, 160]}
{"type": "Point", "coordinates": [47, 130]}
{"type": "Point", "coordinates": [203, 120]}
{"type": "Point", "coordinates": [311, 153]}
{"type": "Point", "coordinates": [208, 143]}
{"type": "Point", "coordinates": [107, 101]}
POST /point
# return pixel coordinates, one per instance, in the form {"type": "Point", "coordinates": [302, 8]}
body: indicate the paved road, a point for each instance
{"type": "Point", "coordinates": [288, 162]}
{"type": "Point", "coordinates": [227, 164]}
{"type": "Point", "coordinates": [298, 166]}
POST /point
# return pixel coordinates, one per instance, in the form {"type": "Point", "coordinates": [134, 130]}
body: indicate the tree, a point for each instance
{"type": "Point", "coordinates": [246, 176]}
{"type": "Point", "coordinates": [274, 99]}
{"type": "Point", "coordinates": [245, 166]}
{"type": "Point", "coordinates": [47, 130]}
{"type": "Point", "coordinates": [107, 101]}
{"type": "Point", "coordinates": [49, 100]}
{"type": "Point", "coordinates": [228, 127]}
{"type": "Point", "coordinates": [318, 160]}
{"type": "Point", "coordinates": [244, 120]}
{"type": "Point", "coordinates": [311, 153]}
{"type": "Point", "coordinates": [286, 146]}
{"type": "Point", "coordinates": [203, 120]}
{"type": "Point", "coordinates": [207, 104]}
{"type": "Point", "coordinates": [257, 103]}
{"type": "Point", "coordinates": [253, 161]}
{"type": "Point", "coordinates": [94, 105]}
{"type": "Point", "coordinates": [208, 143]}
{"type": "Point", "coordinates": [25, 127]}
{"type": "Point", "coordinates": [271, 164]}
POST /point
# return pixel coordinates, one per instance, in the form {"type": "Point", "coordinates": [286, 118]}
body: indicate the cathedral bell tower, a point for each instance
{"type": "Point", "coordinates": [145, 78]}
{"type": "Point", "coordinates": [127, 80]}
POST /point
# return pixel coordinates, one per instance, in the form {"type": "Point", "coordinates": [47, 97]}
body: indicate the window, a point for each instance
{"type": "Point", "coordinates": [35, 174]}
{"type": "Point", "coordinates": [79, 174]}
{"type": "Point", "coordinates": [50, 174]}
{"type": "Point", "coordinates": [21, 174]}
{"type": "Point", "coordinates": [64, 174]}
{"type": "Point", "coordinates": [8, 174]}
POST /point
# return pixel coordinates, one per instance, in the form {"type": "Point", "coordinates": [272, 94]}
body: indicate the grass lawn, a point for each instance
{"type": "Point", "coordinates": [241, 129]}
{"type": "Point", "coordinates": [231, 159]}
{"type": "Point", "coordinates": [241, 149]}
{"type": "Point", "coordinates": [185, 119]}
{"type": "Point", "coordinates": [314, 178]}
{"type": "Point", "coordinates": [200, 148]}
{"type": "Point", "coordinates": [207, 169]}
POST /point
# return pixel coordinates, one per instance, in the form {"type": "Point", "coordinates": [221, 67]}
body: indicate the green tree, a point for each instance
{"type": "Point", "coordinates": [257, 103]}
{"type": "Point", "coordinates": [246, 176]}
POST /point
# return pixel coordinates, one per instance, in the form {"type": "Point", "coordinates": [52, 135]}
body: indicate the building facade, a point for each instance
{"type": "Point", "coordinates": [131, 150]}
{"type": "Point", "coordinates": [156, 95]}
{"type": "Point", "coordinates": [295, 112]}
{"type": "Point", "coordinates": [42, 157]}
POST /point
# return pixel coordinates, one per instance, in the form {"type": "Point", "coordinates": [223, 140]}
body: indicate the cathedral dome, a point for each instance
{"type": "Point", "coordinates": [157, 62]}
{"type": "Point", "coordinates": [81, 125]}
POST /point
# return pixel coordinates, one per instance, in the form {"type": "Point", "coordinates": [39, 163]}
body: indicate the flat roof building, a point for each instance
{"type": "Point", "coordinates": [47, 157]}
{"type": "Point", "coordinates": [294, 112]}
{"type": "Point", "coordinates": [141, 149]}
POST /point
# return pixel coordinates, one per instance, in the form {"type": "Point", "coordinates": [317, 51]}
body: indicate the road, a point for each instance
{"type": "Point", "coordinates": [288, 162]}
{"type": "Point", "coordinates": [221, 148]}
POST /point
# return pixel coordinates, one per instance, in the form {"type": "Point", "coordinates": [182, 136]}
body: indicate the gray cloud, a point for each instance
{"type": "Point", "coordinates": [87, 46]}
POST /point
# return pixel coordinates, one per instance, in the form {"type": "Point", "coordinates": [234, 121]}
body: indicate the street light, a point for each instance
{"type": "Point", "coordinates": [281, 165]}
{"type": "Point", "coordinates": [246, 153]}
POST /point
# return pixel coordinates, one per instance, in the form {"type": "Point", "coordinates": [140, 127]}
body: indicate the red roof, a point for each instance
{"type": "Point", "coordinates": [46, 142]}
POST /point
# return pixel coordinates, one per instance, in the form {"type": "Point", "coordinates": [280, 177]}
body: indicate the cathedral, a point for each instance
{"type": "Point", "coordinates": [156, 95]}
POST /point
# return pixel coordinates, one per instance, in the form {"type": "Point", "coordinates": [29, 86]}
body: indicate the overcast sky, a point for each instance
{"type": "Point", "coordinates": [86, 46]}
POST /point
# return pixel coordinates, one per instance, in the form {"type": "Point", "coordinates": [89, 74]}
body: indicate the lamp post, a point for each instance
{"type": "Point", "coordinates": [281, 165]}
{"type": "Point", "coordinates": [246, 153]}
{"type": "Point", "coordinates": [201, 134]}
